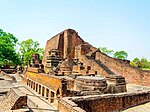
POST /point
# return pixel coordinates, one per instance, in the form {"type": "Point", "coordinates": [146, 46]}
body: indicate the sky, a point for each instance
{"type": "Point", "coordinates": [115, 24]}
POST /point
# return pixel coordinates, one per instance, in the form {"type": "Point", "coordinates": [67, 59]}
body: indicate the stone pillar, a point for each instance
{"type": "Point", "coordinates": [41, 89]}
{"type": "Point", "coordinates": [31, 85]}
{"type": "Point", "coordinates": [28, 82]}
{"type": "Point", "coordinates": [55, 99]}
{"type": "Point", "coordinates": [45, 93]}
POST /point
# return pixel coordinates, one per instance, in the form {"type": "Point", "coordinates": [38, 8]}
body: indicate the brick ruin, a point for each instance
{"type": "Point", "coordinates": [13, 100]}
{"type": "Point", "coordinates": [104, 103]}
{"type": "Point", "coordinates": [73, 68]}
{"type": "Point", "coordinates": [71, 46]}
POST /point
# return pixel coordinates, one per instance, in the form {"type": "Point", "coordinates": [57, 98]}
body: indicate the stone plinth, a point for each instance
{"type": "Point", "coordinates": [90, 83]}
{"type": "Point", "coordinates": [116, 79]}
{"type": "Point", "coordinates": [116, 84]}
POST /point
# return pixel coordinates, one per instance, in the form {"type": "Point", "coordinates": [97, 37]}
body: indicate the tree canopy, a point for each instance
{"type": "Point", "coordinates": [106, 51]}
{"type": "Point", "coordinates": [118, 54]}
{"type": "Point", "coordinates": [142, 63]}
{"type": "Point", "coordinates": [8, 54]}
{"type": "Point", "coordinates": [29, 47]}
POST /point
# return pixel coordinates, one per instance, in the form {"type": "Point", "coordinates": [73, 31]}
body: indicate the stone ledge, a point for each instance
{"type": "Point", "coordinates": [70, 106]}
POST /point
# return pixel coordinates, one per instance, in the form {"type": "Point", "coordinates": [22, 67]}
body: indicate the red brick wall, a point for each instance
{"type": "Point", "coordinates": [120, 67]}
{"type": "Point", "coordinates": [51, 44]}
{"type": "Point", "coordinates": [65, 42]}
{"type": "Point", "coordinates": [66, 105]}
{"type": "Point", "coordinates": [71, 39]}
{"type": "Point", "coordinates": [94, 66]}
{"type": "Point", "coordinates": [110, 103]}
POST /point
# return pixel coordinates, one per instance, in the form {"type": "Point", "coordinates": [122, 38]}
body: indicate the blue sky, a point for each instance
{"type": "Point", "coordinates": [115, 24]}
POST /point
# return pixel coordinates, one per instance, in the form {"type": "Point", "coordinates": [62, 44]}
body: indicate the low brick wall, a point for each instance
{"type": "Point", "coordinates": [49, 81]}
{"type": "Point", "coordinates": [20, 103]}
{"type": "Point", "coordinates": [122, 67]}
{"type": "Point", "coordinates": [13, 100]}
{"type": "Point", "coordinates": [104, 103]}
{"type": "Point", "coordinates": [32, 105]}
{"type": "Point", "coordinates": [11, 70]}
{"type": "Point", "coordinates": [66, 105]}
{"type": "Point", "coordinates": [17, 98]}
{"type": "Point", "coordinates": [111, 103]}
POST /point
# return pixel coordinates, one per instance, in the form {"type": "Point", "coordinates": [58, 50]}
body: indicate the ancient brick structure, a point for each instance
{"type": "Point", "coordinates": [53, 60]}
{"type": "Point", "coordinates": [36, 62]}
{"type": "Point", "coordinates": [65, 42]}
{"type": "Point", "coordinates": [71, 45]}
{"type": "Point", "coordinates": [103, 103]}
{"type": "Point", "coordinates": [73, 67]}
{"type": "Point", "coordinates": [89, 84]}
{"type": "Point", "coordinates": [13, 100]}
{"type": "Point", "coordinates": [76, 77]}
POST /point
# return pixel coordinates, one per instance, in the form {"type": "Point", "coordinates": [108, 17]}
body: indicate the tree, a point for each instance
{"type": "Point", "coordinates": [29, 47]}
{"type": "Point", "coordinates": [8, 54]}
{"type": "Point", "coordinates": [120, 55]}
{"type": "Point", "coordinates": [135, 62]}
{"type": "Point", "coordinates": [143, 63]}
{"type": "Point", "coordinates": [106, 51]}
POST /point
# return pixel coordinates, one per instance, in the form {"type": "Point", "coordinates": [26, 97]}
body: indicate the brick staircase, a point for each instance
{"type": "Point", "coordinates": [99, 63]}
{"type": "Point", "coordinates": [104, 67]}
